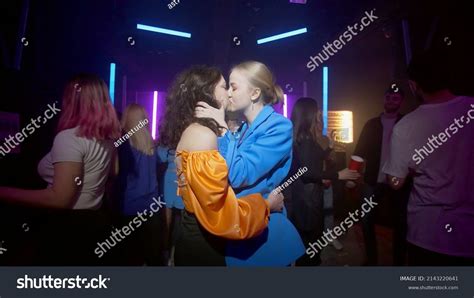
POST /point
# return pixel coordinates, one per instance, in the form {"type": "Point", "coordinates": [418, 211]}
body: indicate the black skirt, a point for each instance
{"type": "Point", "coordinates": [197, 247]}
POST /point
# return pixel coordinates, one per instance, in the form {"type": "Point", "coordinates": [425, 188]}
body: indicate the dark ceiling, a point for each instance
{"type": "Point", "coordinates": [62, 38]}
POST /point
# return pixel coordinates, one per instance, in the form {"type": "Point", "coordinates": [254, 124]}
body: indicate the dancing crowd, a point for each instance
{"type": "Point", "coordinates": [218, 164]}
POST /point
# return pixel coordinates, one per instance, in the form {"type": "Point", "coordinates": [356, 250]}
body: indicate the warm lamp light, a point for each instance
{"type": "Point", "coordinates": [340, 124]}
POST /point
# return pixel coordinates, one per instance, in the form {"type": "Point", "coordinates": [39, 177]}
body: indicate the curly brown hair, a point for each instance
{"type": "Point", "coordinates": [190, 86]}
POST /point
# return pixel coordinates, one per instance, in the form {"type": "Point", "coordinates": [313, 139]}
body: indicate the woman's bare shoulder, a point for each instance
{"type": "Point", "coordinates": [197, 137]}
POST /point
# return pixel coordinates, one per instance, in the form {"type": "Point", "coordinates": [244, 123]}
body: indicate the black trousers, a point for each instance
{"type": "Point", "coordinates": [308, 217]}
{"type": "Point", "coordinates": [418, 256]}
{"type": "Point", "coordinates": [197, 247]}
{"type": "Point", "coordinates": [18, 234]}
{"type": "Point", "coordinates": [70, 237]}
{"type": "Point", "coordinates": [145, 245]}
{"type": "Point", "coordinates": [398, 204]}
{"type": "Point", "coordinates": [309, 237]}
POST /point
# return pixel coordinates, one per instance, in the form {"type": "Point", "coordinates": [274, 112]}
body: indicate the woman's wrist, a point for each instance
{"type": "Point", "coordinates": [269, 207]}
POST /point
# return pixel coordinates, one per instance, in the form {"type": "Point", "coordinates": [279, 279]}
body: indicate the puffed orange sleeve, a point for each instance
{"type": "Point", "coordinates": [206, 193]}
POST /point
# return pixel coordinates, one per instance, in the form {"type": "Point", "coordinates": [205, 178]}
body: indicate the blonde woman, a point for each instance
{"type": "Point", "coordinates": [258, 160]}
{"type": "Point", "coordinates": [138, 188]}
{"type": "Point", "coordinates": [212, 215]}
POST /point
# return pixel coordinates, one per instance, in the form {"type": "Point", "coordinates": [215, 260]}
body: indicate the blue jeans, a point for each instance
{"type": "Point", "coordinates": [328, 208]}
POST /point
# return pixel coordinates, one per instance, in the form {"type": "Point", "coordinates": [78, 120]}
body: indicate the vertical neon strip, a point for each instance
{"type": "Point", "coordinates": [112, 82]}
{"type": "Point", "coordinates": [285, 106]}
{"type": "Point", "coordinates": [155, 106]}
{"type": "Point", "coordinates": [325, 100]}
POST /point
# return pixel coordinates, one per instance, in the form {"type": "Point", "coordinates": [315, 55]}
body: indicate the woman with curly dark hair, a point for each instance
{"type": "Point", "coordinates": [212, 212]}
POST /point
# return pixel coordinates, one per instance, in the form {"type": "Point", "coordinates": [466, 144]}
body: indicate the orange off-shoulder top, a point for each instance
{"type": "Point", "coordinates": [203, 185]}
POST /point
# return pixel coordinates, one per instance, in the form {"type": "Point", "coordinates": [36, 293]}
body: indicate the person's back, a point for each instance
{"type": "Point", "coordinates": [138, 184]}
{"type": "Point", "coordinates": [212, 212]}
{"type": "Point", "coordinates": [96, 157]}
{"type": "Point", "coordinates": [440, 138]}
{"type": "Point", "coordinates": [434, 144]}
{"type": "Point", "coordinates": [76, 170]}
{"type": "Point", "coordinates": [138, 192]}
{"type": "Point", "coordinates": [194, 132]}
{"type": "Point", "coordinates": [137, 179]}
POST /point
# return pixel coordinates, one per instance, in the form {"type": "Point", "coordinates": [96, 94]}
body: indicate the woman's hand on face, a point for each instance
{"type": "Point", "coordinates": [275, 200]}
{"type": "Point", "coordinates": [204, 110]}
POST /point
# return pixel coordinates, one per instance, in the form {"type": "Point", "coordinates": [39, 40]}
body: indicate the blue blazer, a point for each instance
{"type": "Point", "coordinates": [259, 157]}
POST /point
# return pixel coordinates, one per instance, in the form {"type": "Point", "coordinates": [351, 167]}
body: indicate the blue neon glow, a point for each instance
{"type": "Point", "coordinates": [325, 100]}
{"type": "Point", "coordinates": [163, 30]}
{"type": "Point", "coordinates": [282, 35]}
{"type": "Point", "coordinates": [112, 82]}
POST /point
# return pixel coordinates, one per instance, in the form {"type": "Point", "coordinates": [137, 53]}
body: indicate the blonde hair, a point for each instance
{"type": "Point", "coordinates": [141, 139]}
{"type": "Point", "coordinates": [260, 76]}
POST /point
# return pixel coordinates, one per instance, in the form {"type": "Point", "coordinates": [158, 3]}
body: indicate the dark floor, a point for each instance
{"type": "Point", "coordinates": [353, 253]}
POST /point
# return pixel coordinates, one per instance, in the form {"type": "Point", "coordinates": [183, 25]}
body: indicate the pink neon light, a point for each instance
{"type": "Point", "coordinates": [285, 106]}
{"type": "Point", "coordinates": [155, 106]}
